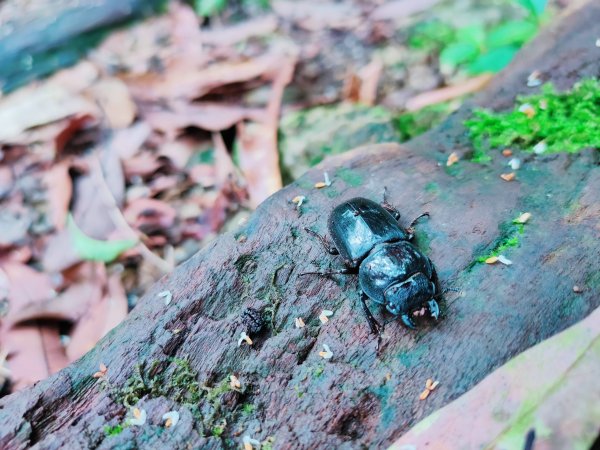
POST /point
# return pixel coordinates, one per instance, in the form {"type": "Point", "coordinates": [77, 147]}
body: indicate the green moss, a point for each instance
{"type": "Point", "coordinates": [431, 36]}
{"type": "Point", "coordinates": [114, 430]}
{"type": "Point", "coordinates": [432, 187]}
{"type": "Point", "coordinates": [267, 444]}
{"type": "Point", "coordinates": [563, 121]}
{"type": "Point", "coordinates": [178, 382]}
{"type": "Point", "coordinates": [309, 136]}
{"type": "Point", "coordinates": [510, 237]}
{"type": "Point", "coordinates": [248, 408]}
{"type": "Point", "coordinates": [412, 124]}
{"type": "Point", "coordinates": [349, 176]}
{"type": "Point", "coordinates": [318, 371]}
{"type": "Point", "coordinates": [218, 431]}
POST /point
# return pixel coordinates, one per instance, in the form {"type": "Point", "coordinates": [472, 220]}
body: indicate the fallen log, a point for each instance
{"type": "Point", "coordinates": [180, 356]}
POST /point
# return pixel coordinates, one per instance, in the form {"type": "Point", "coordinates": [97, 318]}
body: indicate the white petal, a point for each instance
{"type": "Point", "coordinates": [504, 260]}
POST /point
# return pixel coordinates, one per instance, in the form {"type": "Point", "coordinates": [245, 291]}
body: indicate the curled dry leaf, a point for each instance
{"type": "Point", "coordinates": [326, 353]}
{"type": "Point", "coordinates": [452, 159]}
{"type": "Point", "coordinates": [448, 93]}
{"type": "Point", "coordinates": [234, 382]}
{"type": "Point", "coordinates": [508, 176]}
{"type": "Point", "coordinates": [138, 417]}
{"type": "Point", "coordinates": [171, 418]}
{"type": "Point", "coordinates": [324, 316]}
{"type": "Point", "coordinates": [244, 338]}
{"type": "Point", "coordinates": [523, 218]}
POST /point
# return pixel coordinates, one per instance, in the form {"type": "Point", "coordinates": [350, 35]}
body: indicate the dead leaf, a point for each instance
{"type": "Point", "coordinates": [113, 97]}
{"type": "Point", "coordinates": [448, 93]}
{"type": "Point", "coordinates": [150, 213]}
{"type": "Point", "coordinates": [27, 357]}
{"type": "Point", "coordinates": [398, 9]}
{"type": "Point", "coordinates": [58, 192]}
{"type": "Point", "coordinates": [361, 87]}
{"type": "Point", "coordinates": [232, 34]}
{"type": "Point", "coordinates": [190, 84]}
{"type": "Point", "coordinates": [207, 116]}
{"type": "Point", "coordinates": [41, 104]}
{"type": "Point", "coordinates": [315, 15]}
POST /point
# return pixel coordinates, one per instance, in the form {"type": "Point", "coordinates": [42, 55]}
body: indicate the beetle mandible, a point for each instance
{"type": "Point", "coordinates": [391, 271]}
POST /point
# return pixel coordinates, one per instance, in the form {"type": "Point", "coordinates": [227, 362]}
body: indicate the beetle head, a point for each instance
{"type": "Point", "coordinates": [409, 295]}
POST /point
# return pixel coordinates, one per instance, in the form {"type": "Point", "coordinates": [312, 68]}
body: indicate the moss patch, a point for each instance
{"type": "Point", "coordinates": [562, 121]}
{"type": "Point", "coordinates": [510, 237]}
{"type": "Point", "coordinates": [350, 177]}
{"type": "Point", "coordinates": [308, 136]}
{"type": "Point", "coordinates": [413, 124]}
{"type": "Point", "coordinates": [178, 382]}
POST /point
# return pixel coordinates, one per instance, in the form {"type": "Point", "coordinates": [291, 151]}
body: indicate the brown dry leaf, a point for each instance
{"type": "Point", "coordinates": [69, 305]}
{"type": "Point", "coordinates": [314, 15]}
{"type": "Point", "coordinates": [508, 176]}
{"type": "Point", "coordinates": [190, 84]}
{"type": "Point", "coordinates": [259, 160]}
{"type": "Point", "coordinates": [35, 352]}
{"type": "Point", "coordinates": [399, 9]}
{"type": "Point", "coordinates": [127, 142]}
{"type": "Point", "coordinates": [142, 165]}
{"type": "Point", "coordinates": [40, 104]}
{"type": "Point", "coordinates": [448, 93]}
{"type": "Point", "coordinates": [60, 252]}
{"type": "Point", "coordinates": [207, 116]}
{"type": "Point", "coordinates": [58, 192]}
{"type": "Point", "coordinates": [148, 212]}
{"type": "Point", "coordinates": [232, 34]}
{"type": "Point", "coordinates": [89, 327]}
{"type": "Point", "coordinates": [453, 158]}
{"type": "Point", "coordinates": [258, 153]}
{"type": "Point", "coordinates": [361, 87]}
{"type": "Point", "coordinates": [26, 286]}
{"type": "Point", "coordinates": [113, 97]}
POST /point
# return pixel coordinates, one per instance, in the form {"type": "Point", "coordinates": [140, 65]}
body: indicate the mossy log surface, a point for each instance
{"type": "Point", "coordinates": [357, 398]}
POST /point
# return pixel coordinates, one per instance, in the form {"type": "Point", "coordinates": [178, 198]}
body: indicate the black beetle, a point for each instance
{"type": "Point", "coordinates": [391, 271]}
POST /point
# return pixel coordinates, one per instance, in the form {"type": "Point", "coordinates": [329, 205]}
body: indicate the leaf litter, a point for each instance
{"type": "Point", "coordinates": [115, 170]}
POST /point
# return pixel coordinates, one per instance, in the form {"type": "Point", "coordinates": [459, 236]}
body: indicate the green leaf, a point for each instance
{"type": "Point", "coordinates": [493, 61]}
{"type": "Point", "coordinates": [516, 32]}
{"type": "Point", "coordinates": [473, 34]}
{"type": "Point", "coordinates": [458, 53]}
{"type": "Point", "coordinates": [207, 8]}
{"type": "Point", "coordinates": [535, 7]}
{"type": "Point", "coordinates": [93, 249]}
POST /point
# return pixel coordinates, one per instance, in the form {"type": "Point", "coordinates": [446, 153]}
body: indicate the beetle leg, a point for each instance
{"type": "Point", "coordinates": [434, 308]}
{"type": "Point", "coordinates": [388, 206]}
{"type": "Point", "coordinates": [328, 247]}
{"type": "Point", "coordinates": [407, 320]}
{"type": "Point", "coordinates": [346, 271]}
{"type": "Point", "coordinates": [376, 327]}
{"type": "Point", "coordinates": [411, 227]}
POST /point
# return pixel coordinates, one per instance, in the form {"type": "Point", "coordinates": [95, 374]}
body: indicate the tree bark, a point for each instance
{"type": "Point", "coordinates": [357, 398]}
